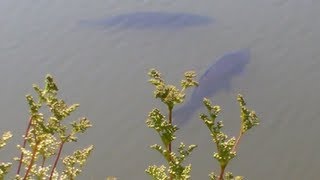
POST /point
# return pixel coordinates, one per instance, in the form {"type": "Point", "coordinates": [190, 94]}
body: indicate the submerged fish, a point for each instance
{"type": "Point", "coordinates": [144, 20]}
{"type": "Point", "coordinates": [216, 78]}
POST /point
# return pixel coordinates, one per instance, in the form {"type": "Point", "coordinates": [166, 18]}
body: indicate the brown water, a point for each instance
{"type": "Point", "coordinates": [105, 71]}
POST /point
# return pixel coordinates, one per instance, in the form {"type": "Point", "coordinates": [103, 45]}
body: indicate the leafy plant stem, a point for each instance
{"type": "Point", "coordinates": [57, 159]}
{"type": "Point", "coordinates": [35, 149]}
{"type": "Point", "coordinates": [24, 144]}
{"type": "Point", "coordinates": [170, 144]}
{"type": "Point", "coordinates": [170, 121]}
{"type": "Point", "coordinates": [222, 167]}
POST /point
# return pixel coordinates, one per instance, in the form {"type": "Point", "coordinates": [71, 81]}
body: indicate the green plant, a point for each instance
{"type": "Point", "coordinates": [46, 136]}
{"type": "Point", "coordinates": [226, 147]}
{"type": "Point", "coordinates": [170, 96]}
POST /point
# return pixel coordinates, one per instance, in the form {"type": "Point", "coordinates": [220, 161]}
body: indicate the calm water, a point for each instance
{"type": "Point", "coordinates": [105, 71]}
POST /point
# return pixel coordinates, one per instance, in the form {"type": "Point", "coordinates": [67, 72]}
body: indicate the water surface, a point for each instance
{"type": "Point", "coordinates": [105, 71]}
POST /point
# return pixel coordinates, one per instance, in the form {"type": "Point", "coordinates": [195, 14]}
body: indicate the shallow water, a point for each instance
{"type": "Point", "coordinates": [104, 69]}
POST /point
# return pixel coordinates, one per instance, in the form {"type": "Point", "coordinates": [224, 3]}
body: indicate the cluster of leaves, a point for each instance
{"type": "Point", "coordinates": [226, 147]}
{"type": "Point", "coordinates": [46, 135]}
{"type": "Point", "coordinates": [170, 96]}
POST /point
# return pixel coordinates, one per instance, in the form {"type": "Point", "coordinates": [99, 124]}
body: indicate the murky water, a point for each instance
{"type": "Point", "coordinates": [104, 69]}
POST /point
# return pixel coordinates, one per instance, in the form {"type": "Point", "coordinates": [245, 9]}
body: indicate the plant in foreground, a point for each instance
{"type": "Point", "coordinates": [46, 135]}
{"type": "Point", "coordinates": [4, 167]}
{"type": "Point", "coordinates": [170, 96]}
{"type": "Point", "coordinates": [226, 147]}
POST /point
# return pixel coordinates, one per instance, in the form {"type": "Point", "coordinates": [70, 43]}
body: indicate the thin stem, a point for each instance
{"type": "Point", "coordinates": [170, 144]}
{"type": "Point", "coordinates": [35, 149]}
{"type": "Point", "coordinates": [43, 161]}
{"type": "Point", "coordinates": [237, 142]}
{"type": "Point", "coordinates": [24, 144]}
{"type": "Point", "coordinates": [170, 121]}
{"type": "Point", "coordinates": [222, 172]}
{"type": "Point", "coordinates": [57, 159]}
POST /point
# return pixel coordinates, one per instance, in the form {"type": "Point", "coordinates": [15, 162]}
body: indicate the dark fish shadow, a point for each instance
{"type": "Point", "coordinates": [216, 78]}
{"type": "Point", "coordinates": [150, 20]}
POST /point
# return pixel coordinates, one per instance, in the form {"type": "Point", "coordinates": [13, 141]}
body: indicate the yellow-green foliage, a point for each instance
{"type": "Point", "coordinates": [226, 147]}
{"type": "Point", "coordinates": [170, 96]}
{"type": "Point", "coordinates": [4, 167]}
{"type": "Point", "coordinates": [46, 135]}
{"type": "Point", "coordinates": [48, 132]}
